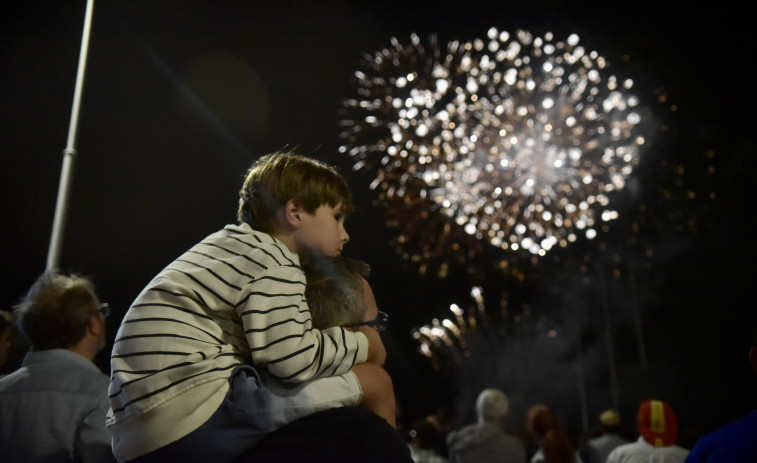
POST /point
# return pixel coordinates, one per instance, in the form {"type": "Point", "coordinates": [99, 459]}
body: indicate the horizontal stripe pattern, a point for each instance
{"type": "Point", "coordinates": [236, 297]}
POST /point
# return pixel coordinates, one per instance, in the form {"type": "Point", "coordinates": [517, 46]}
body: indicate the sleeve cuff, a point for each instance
{"type": "Point", "coordinates": [362, 347]}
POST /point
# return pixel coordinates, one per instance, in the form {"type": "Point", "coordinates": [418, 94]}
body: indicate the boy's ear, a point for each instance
{"type": "Point", "coordinates": [292, 213]}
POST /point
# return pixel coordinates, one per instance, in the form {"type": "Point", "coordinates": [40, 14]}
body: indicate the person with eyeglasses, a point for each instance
{"type": "Point", "coordinates": [53, 408]}
{"type": "Point", "coordinates": [338, 294]}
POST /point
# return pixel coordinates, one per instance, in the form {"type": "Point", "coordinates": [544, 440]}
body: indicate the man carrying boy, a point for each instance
{"type": "Point", "coordinates": [187, 358]}
{"type": "Point", "coordinates": [338, 295]}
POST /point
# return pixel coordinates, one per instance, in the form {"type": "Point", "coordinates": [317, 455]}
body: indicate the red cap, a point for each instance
{"type": "Point", "coordinates": [657, 423]}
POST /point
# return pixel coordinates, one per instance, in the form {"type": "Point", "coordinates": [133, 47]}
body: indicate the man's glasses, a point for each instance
{"type": "Point", "coordinates": [379, 323]}
{"type": "Point", "coordinates": [105, 309]}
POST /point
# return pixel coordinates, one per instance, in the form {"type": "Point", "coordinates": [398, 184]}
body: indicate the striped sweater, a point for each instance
{"type": "Point", "coordinates": [236, 297]}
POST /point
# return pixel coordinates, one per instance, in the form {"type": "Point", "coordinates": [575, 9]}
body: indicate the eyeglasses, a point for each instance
{"type": "Point", "coordinates": [105, 309]}
{"type": "Point", "coordinates": [379, 323]}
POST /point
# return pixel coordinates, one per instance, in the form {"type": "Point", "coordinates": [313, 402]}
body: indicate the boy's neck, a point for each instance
{"type": "Point", "coordinates": [287, 239]}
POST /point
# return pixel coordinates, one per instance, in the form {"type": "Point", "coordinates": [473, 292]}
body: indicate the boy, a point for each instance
{"type": "Point", "coordinates": [186, 360]}
{"type": "Point", "coordinates": [337, 294]}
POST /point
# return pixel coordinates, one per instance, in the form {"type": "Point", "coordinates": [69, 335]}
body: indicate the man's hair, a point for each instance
{"type": "Point", "coordinates": [276, 178]}
{"type": "Point", "coordinates": [491, 405]}
{"type": "Point", "coordinates": [334, 290]}
{"type": "Point", "coordinates": [56, 311]}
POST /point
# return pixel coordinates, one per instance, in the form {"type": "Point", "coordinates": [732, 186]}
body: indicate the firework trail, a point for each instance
{"type": "Point", "coordinates": [450, 337]}
{"type": "Point", "coordinates": [515, 141]}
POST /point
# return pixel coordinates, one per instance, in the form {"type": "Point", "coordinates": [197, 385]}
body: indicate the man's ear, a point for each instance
{"type": "Point", "coordinates": [96, 324]}
{"type": "Point", "coordinates": [753, 357]}
{"type": "Point", "coordinates": [292, 213]}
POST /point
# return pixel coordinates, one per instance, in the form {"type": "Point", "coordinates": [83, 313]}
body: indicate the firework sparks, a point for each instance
{"type": "Point", "coordinates": [450, 336]}
{"type": "Point", "coordinates": [517, 141]}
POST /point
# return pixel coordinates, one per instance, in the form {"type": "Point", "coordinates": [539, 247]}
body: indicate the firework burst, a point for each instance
{"type": "Point", "coordinates": [517, 141]}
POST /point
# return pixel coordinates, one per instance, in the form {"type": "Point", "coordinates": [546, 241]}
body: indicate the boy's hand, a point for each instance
{"type": "Point", "coordinates": [376, 349]}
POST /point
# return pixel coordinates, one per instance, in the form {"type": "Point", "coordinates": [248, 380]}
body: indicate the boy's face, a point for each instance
{"type": "Point", "coordinates": [324, 230]}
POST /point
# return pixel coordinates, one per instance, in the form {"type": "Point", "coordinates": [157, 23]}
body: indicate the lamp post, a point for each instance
{"type": "Point", "coordinates": [61, 205]}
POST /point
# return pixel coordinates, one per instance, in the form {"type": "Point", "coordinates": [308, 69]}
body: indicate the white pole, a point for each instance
{"type": "Point", "coordinates": [69, 153]}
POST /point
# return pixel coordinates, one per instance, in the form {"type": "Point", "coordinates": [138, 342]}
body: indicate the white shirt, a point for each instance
{"type": "Point", "coordinates": [643, 452]}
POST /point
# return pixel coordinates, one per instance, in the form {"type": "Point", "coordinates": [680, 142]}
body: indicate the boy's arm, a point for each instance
{"type": "Point", "coordinates": [278, 328]}
{"type": "Point", "coordinates": [376, 349]}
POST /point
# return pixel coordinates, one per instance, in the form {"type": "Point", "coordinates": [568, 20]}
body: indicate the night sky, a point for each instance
{"type": "Point", "coordinates": [181, 96]}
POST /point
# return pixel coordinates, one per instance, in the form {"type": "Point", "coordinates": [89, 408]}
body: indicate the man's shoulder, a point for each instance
{"type": "Point", "coordinates": [484, 434]}
{"type": "Point", "coordinates": [744, 425]}
{"type": "Point", "coordinates": [607, 440]}
{"type": "Point", "coordinates": [62, 365]}
{"type": "Point", "coordinates": [66, 378]}
{"type": "Point", "coordinates": [730, 437]}
{"type": "Point", "coordinates": [10, 381]}
{"type": "Point", "coordinates": [625, 448]}
{"type": "Point", "coordinates": [460, 433]}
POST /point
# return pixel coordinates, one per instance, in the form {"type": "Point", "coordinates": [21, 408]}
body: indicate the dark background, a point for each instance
{"type": "Point", "coordinates": [181, 96]}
